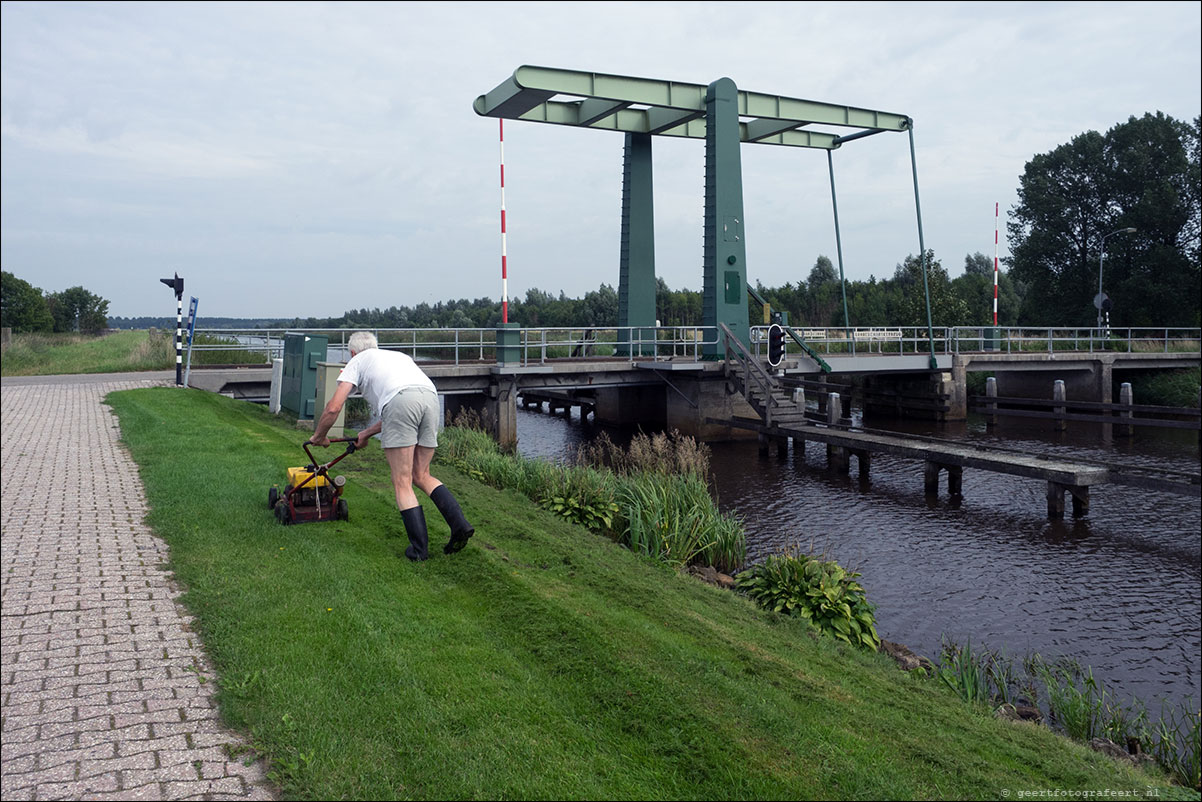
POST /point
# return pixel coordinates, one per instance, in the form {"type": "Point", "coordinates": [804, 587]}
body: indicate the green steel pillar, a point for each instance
{"type": "Point", "coordinates": [636, 281]}
{"type": "Point", "coordinates": [724, 256]}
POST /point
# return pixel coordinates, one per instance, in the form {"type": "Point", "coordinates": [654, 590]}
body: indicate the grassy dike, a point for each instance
{"type": "Point", "coordinates": [543, 661]}
{"type": "Point", "coordinates": [57, 354]}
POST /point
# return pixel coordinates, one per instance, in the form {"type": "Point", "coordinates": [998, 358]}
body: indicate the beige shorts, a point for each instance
{"type": "Point", "coordinates": [410, 418]}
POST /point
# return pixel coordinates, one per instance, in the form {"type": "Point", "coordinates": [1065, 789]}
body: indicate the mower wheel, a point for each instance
{"type": "Point", "coordinates": [273, 495]}
{"type": "Point", "coordinates": [282, 514]}
{"type": "Point", "coordinates": [341, 511]}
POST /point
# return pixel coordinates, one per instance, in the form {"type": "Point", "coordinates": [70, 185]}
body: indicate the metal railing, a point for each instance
{"type": "Point", "coordinates": [473, 345]}
{"type": "Point", "coordinates": [746, 367]}
{"type": "Point", "coordinates": [913, 340]}
{"type": "Point", "coordinates": [538, 345]}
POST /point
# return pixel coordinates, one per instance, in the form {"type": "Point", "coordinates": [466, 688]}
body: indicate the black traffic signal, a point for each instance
{"type": "Point", "coordinates": [776, 344]}
{"type": "Point", "coordinates": [176, 284]}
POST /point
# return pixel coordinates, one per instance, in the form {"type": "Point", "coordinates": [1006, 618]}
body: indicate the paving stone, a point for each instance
{"type": "Point", "coordinates": [98, 674]}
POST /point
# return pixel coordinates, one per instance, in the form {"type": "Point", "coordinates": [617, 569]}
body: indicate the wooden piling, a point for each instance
{"type": "Point", "coordinates": [864, 461]}
{"type": "Point", "coordinates": [1056, 493]}
{"type": "Point", "coordinates": [1058, 394]}
{"type": "Point", "coordinates": [836, 456]}
{"type": "Point", "coordinates": [1127, 399]}
{"type": "Point", "coordinates": [799, 442]}
{"type": "Point", "coordinates": [991, 409]}
{"type": "Point", "coordinates": [930, 478]}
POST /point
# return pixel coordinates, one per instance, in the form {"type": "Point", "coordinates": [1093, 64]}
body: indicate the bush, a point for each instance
{"type": "Point", "coordinates": [821, 592]}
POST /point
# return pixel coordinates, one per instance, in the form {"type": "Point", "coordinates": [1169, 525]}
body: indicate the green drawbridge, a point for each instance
{"type": "Point", "coordinates": [722, 115]}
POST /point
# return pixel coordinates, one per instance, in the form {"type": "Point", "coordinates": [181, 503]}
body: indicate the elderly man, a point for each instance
{"type": "Point", "coordinates": [408, 407]}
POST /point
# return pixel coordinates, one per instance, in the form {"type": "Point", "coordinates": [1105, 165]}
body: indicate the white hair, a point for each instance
{"type": "Point", "coordinates": [360, 341]}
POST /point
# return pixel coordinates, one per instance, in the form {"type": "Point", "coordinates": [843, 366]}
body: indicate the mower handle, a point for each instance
{"type": "Point", "coordinates": [350, 449]}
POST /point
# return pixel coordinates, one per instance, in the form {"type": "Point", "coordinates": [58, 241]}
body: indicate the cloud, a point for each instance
{"type": "Point", "coordinates": [335, 143]}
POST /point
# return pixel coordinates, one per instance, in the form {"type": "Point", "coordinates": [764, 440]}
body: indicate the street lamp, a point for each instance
{"type": "Point", "coordinates": [1101, 260]}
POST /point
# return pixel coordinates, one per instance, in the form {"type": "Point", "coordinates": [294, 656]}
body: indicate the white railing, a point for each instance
{"type": "Point", "coordinates": [533, 346]}
{"type": "Point", "coordinates": [977, 339]}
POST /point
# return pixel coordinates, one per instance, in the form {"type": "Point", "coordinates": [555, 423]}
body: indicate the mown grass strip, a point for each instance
{"type": "Point", "coordinates": [542, 662]}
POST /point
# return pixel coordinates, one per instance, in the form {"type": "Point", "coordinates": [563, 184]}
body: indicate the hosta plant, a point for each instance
{"type": "Point", "coordinates": [823, 593]}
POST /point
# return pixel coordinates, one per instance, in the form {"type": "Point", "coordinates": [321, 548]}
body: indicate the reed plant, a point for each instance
{"type": "Point", "coordinates": [1078, 704]}
{"type": "Point", "coordinates": [1176, 743]}
{"type": "Point", "coordinates": [670, 454]}
{"type": "Point", "coordinates": [674, 518]}
{"type": "Point", "coordinates": [965, 673]}
{"type": "Point", "coordinates": [652, 498]}
{"type": "Point", "coordinates": [1083, 708]}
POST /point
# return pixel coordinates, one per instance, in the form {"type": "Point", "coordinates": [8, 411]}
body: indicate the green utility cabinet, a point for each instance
{"type": "Point", "coordinates": [298, 389]}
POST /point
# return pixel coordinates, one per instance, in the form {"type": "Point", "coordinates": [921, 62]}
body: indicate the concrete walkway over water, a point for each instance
{"type": "Point", "coordinates": [106, 692]}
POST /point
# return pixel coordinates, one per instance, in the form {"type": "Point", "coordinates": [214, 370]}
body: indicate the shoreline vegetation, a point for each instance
{"type": "Point", "coordinates": [545, 660]}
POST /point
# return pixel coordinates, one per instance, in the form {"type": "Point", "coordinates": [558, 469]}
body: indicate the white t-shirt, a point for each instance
{"type": "Point", "coordinates": [380, 375]}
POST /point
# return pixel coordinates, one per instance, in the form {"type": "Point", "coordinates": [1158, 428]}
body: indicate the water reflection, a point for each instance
{"type": "Point", "coordinates": [1118, 590]}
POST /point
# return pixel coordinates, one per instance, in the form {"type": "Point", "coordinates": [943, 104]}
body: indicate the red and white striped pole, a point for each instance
{"type": "Point", "coordinates": [995, 239]}
{"type": "Point", "coordinates": [504, 266]}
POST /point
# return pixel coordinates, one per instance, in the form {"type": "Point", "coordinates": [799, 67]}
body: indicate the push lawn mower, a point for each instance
{"type": "Point", "coordinates": [311, 495]}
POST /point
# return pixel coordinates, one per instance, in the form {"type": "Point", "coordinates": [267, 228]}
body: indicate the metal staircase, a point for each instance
{"type": "Point", "coordinates": [746, 374]}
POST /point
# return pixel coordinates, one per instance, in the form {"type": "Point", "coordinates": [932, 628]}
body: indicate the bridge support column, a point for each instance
{"type": "Point", "coordinates": [504, 405]}
{"type": "Point", "coordinates": [957, 401]}
{"type": "Point", "coordinates": [724, 250]}
{"type": "Point", "coordinates": [496, 410]}
{"type": "Point", "coordinates": [939, 396]}
{"type": "Point", "coordinates": [1056, 493]}
{"type": "Point", "coordinates": [623, 405]}
{"type": "Point", "coordinates": [636, 267]}
{"type": "Point", "coordinates": [691, 402]}
{"type": "Point", "coordinates": [1104, 380]}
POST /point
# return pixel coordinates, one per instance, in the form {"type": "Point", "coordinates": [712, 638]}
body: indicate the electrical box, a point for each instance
{"type": "Point", "coordinates": [298, 389]}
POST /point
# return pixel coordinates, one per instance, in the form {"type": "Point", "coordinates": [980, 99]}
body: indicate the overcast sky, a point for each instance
{"type": "Point", "coordinates": [303, 159]}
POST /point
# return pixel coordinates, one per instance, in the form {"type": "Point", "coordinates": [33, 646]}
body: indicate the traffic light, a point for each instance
{"type": "Point", "coordinates": [176, 284]}
{"type": "Point", "coordinates": [776, 344]}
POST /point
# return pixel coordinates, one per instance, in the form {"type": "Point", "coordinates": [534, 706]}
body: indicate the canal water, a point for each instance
{"type": "Point", "coordinates": [1119, 590]}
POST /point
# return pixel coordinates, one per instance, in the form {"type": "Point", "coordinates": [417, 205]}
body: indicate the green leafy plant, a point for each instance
{"type": "Point", "coordinates": [582, 496]}
{"type": "Point", "coordinates": [822, 592]}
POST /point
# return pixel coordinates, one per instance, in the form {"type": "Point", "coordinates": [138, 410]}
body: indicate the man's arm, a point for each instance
{"type": "Point", "coordinates": [330, 415]}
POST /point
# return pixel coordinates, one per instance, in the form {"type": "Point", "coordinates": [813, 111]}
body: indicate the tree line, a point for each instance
{"type": "Point", "coordinates": [26, 308]}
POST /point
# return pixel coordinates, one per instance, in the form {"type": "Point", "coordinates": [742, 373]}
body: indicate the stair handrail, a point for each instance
{"type": "Point", "coordinates": [797, 338]}
{"type": "Point", "coordinates": [752, 369]}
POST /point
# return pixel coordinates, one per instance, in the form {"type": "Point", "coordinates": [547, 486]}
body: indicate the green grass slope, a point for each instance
{"type": "Point", "coordinates": [542, 662]}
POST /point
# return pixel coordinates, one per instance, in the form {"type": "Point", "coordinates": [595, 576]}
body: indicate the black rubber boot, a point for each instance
{"type": "Point", "coordinates": [461, 530]}
{"type": "Point", "coordinates": [415, 527]}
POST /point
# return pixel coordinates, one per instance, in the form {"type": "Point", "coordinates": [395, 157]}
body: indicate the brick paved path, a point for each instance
{"type": "Point", "coordinates": [102, 696]}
